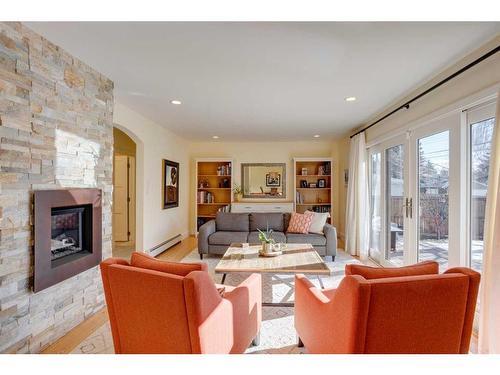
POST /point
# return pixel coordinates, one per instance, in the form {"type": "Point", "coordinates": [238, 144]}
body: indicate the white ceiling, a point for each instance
{"type": "Point", "coordinates": [278, 81]}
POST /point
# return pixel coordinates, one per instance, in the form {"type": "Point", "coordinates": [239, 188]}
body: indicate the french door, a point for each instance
{"type": "Point", "coordinates": [434, 194]}
{"type": "Point", "coordinates": [387, 202]}
{"type": "Point", "coordinates": [428, 191]}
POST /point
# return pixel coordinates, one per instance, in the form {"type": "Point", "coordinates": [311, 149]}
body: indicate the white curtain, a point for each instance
{"type": "Point", "coordinates": [357, 210]}
{"type": "Point", "coordinates": [489, 315]}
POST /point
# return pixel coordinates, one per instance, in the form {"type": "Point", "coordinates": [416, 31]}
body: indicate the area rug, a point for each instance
{"type": "Point", "coordinates": [278, 335]}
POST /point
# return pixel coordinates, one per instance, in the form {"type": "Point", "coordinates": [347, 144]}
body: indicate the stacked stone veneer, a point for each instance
{"type": "Point", "coordinates": [55, 131]}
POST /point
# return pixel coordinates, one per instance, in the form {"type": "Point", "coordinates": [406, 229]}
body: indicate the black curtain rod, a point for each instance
{"type": "Point", "coordinates": [450, 77]}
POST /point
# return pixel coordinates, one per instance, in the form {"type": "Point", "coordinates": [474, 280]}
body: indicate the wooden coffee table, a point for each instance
{"type": "Point", "coordinates": [296, 258]}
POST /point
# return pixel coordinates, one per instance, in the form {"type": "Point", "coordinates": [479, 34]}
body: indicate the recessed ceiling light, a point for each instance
{"type": "Point", "coordinates": [350, 99]}
{"type": "Point", "coordinates": [176, 102]}
{"type": "Point", "coordinates": [316, 135]}
{"type": "Point", "coordinates": [215, 136]}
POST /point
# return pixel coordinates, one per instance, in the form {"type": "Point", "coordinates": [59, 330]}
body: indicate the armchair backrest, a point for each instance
{"type": "Point", "coordinates": [151, 311]}
{"type": "Point", "coordinates": [430, 313]}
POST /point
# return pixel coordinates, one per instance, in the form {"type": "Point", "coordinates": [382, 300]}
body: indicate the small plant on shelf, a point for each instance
{"type": "Point", "coordinates": [238, 193]}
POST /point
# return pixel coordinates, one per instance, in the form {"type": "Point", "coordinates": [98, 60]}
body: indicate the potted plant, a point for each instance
{"type": "Point", "coordinates": [238, 193]}
{"type": "Point", "coordinates": [267, 241]}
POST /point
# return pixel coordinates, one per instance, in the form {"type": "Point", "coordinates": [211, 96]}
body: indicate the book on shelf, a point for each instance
{"type": "Point", "coordinates": [321, 209]}
{"type": "Point", "coordinates": [224, 170]}
{"type": "Point", "coordinates": [299, 197]}
{"type": "Point", "coordinates": [205, 197]}
{"type": "Point", "coordinates": [225, 208]}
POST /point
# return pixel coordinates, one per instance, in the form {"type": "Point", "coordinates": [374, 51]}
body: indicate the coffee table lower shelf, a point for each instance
{"type": "Point", "coordinates": [277, 304]}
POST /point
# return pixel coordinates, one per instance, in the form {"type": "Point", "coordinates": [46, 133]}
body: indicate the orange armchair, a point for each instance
{"type": "Point", "coordinates": [161, 307]}
{"type": "Point", "coordinates": [403, 310]}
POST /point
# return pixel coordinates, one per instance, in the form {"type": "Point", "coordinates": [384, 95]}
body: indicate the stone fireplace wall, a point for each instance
{"type": "Point", "coordinates": [56, 131]}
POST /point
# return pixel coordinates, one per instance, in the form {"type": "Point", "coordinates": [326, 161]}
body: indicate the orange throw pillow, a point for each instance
{"type": "Point", "coordinates": [300, 223]}
{"type": "Point", "coordinates": [142, 260]}
{"type": "Point", "coordinates": [423, 268]}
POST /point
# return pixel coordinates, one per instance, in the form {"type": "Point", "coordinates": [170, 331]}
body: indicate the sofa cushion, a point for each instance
{"type": "Point", "coordinates": [318, 222]}
{"type": "Point", "coordinates": [230, 221]}
{"type": "Point", "coordinates": [300, 223]}
{"type": "Point", "coordinates": [261, 220]}
{"type": "Point", "coordinates": [286, 220]}
{"type": "Point", "coordinates": [227, 237]}
{"type": "Point", "coordinates": [313, 239]}
{"type": "Point", "coordinates": [253, 237]}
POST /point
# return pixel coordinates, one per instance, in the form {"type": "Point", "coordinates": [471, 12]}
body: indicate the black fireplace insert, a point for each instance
{"type": "Point", "coordinates": [68, 234]}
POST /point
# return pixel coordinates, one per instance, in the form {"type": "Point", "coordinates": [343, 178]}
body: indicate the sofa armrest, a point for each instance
{"type": "Point", "coordinates": [205, 231]}
{"type": "Point", "coordinates": [331, 239]}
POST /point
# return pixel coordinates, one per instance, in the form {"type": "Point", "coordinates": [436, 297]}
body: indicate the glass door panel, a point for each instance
{"type": "Point", "coordinates": [433, 197]}
{"type": "Point", "coordinates": [375, 205]}
{"type": "Point", "coordinates": [481, 134]}
{"type": "Point", "coordinates": [395, 205]}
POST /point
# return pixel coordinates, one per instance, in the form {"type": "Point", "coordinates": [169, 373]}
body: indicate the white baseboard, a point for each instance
{"type": "Point", "coordinates": [165, 245]}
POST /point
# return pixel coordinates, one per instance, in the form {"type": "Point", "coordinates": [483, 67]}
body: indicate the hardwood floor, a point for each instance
{"type": "Point", "coordinates": [69, 341]}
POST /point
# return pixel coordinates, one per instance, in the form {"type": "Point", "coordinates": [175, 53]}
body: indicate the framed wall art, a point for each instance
{"type": "Point", "coordinates": [170, 184]}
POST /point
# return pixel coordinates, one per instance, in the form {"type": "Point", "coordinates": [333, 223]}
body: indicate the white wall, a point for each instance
{"type": "Point", "coordinates": [155, 143]}
{"type": "Point", "coordinates": [474, 80]}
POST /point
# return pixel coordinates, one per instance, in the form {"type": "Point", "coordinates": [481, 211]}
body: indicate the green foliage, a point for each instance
{"type": "Point", "coordinates": [237, 189]}
{"type": "Point", "coordinates": [266, 236]}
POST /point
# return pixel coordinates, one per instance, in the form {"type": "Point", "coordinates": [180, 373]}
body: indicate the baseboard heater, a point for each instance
{"type": "Point", "coordinates": [165, 245]}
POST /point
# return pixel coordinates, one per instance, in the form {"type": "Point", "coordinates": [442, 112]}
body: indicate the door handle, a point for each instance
{"type": "Point", "coordinates": [409, 208]}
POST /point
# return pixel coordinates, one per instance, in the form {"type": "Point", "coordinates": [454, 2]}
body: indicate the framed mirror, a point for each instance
{"type": "Point", "coordinates": [263, 180]}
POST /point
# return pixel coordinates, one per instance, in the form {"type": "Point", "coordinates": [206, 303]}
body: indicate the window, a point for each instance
{"type": "Point", "coordinates": [375, 204]}
{"type": "Point", "coordinates": [433, 202]}
{"type": "Point", "coordinates": [428, 190]}
{"type": "Point", "coordinates": [481, 134]}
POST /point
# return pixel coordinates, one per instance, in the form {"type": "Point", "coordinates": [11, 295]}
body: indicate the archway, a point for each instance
{"type": "Point", "coordinates": [124, 207]}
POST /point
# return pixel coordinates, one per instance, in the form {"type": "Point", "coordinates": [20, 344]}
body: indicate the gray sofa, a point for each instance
{"type": "Point", "coordinates": [215, 236]}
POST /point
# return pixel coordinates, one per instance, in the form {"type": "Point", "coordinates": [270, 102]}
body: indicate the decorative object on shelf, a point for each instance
{"type": "Point", "coordinates": [225, 183]}
{"type": "Point", "coordinates": [312, 185]}
{"type": "Point", "coordinates": [304, 171]}
{"type": "Point", "coordinates": [273, 179]}
{"type": "Point", "coordinates": [321, 183]}
{"type": "Point", "coordinates": [203, 184]}
{"type": "Point", "coordinates": [303, 183]}
{"type": "Point", "coordinates": [238, 193]}
{"type": "Point", "coordinates": [170, 186]}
